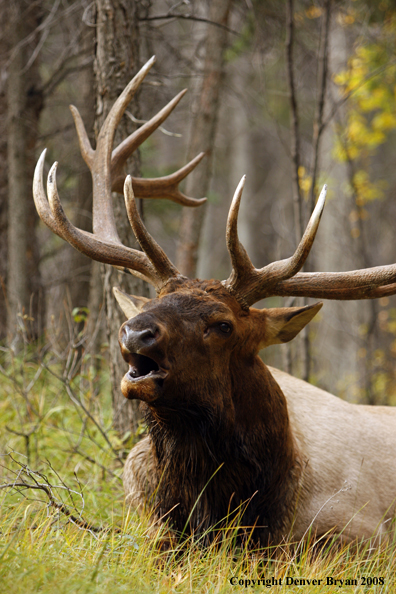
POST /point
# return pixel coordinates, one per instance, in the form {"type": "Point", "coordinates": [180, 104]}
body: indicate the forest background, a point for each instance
{"type": "Point", "coordinates": [292, 94]}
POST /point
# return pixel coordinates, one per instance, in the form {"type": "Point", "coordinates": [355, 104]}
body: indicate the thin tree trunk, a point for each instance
{"type": "Point", "coordinates": [24, 104]}
{"type": "Point", "coordinates": [203, 136]}
{"type": "Point", "coordinates": [296, 146]}
{"type": "Point", "coordinates": [116, 60]}
{"type": "Point", "coordinates": [33, 108]}
{"type": "Point", "coordinates": [17, 293]}
{"type": "Point", "coordinates": [319, 127]}
{"type": "Point", "coordinates": [3, 176]}
{"type": "Point", "coordinates": [79, 291]}
{"type": "Point", "coordinates": [295, 149]}
{"type": "Point", "coordinates": [368, 312]}
{"type": "Point", "coordinates": [294, 125]}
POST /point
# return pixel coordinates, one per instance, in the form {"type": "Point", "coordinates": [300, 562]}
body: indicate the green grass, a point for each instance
{"type": "Point", "coordinates": [56, 436]}
{"type": "Point", "coordinates": [40, 553]}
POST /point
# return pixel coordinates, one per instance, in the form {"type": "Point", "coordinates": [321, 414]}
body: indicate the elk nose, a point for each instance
{"type": "Point", "coordinates": [134, 340]}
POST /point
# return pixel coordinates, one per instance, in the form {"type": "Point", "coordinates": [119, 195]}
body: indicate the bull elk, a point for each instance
{"type": "Point", "coordinates": [227, 434]}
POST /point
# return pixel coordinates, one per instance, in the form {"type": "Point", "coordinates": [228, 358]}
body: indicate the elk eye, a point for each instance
{"type": "Point", "coordinates": [225, 328]}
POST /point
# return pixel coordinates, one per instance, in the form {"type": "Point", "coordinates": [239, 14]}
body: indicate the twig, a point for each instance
{"type": "Point", "coordinates": [86, 457]}
{"type": "Point", "coordinates": [41, 483]}
{"type": "Point", "coordinates": [74, 398]}
{"type": "Point", "coordinates": [60, 75]}
{"type": "Point", "coordinates": [161, 128]}
{"type": "Point", "coordinates": [188, 17]}
{"type": "Point", "coordinates": [21, 391]}
{"type": "Point", "coordinates": [26, 436]}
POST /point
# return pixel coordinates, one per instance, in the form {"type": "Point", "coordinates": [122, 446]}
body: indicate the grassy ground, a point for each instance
{"type": "Point", "coordinates": [63, 526]}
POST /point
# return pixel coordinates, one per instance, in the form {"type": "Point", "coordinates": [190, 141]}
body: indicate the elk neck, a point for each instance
{"type": "Point", "coordinates": [227, 445]}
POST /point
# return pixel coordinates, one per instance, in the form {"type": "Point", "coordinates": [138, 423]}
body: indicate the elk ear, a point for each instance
{"type": "Point", "coordinates": [130, 305]}
{"type": "Point", "coordinates": [284, 323]}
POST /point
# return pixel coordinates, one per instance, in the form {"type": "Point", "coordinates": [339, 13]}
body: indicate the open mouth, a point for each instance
{"type": "Point", "coordinates": [141, 367]}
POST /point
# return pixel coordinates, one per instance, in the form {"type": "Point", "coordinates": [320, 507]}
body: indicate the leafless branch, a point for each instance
{"type": "Point", "coordinates": [92, 461]}
{"type": "Point", "coordinates": [188, 17]}
{"type": "Point", "coordinates": [160, 128]}
{"type": "Point", "coordinates": [28, 479]}
{"type": "Point", "coordinates": [79, 404]}
{"type": "Point", "coordinates": [23, 392]}
{"type": "Point", "coordinates": [42, 28]}
{"type": "Point", "coordinates": [60, 74]}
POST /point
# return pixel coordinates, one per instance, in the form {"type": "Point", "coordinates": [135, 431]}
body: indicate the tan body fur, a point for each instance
{"type": "Point", "coordinates": [349, 452]}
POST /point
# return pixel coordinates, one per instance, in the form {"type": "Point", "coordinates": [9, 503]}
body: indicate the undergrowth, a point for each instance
{"type": "Point", "coordinates": [63, 525]}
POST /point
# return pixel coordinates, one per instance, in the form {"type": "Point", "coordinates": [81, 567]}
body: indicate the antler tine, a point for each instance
{"type": "Point", "coordinates": [40, 199]}
{"type": "Point", "coordinates": [97, 249]}
{"type": "Point", "coordinates": [164, 187]}
{"type": "Point", "coordinates": [86, 149]}
{"type": "Point", "coordinates": [117, 111]}
{"type": "Point", "coordinates": [242, 268]}
{"type": "Point", "coordinates": [103, 217]}
{"type": "Point", "coordinates": [134, 140]}
{"type": "Point", "coordinates": [107, 165]}
{"type": "Point", "coordinates": [287, 268]}
{"type": "Point", "coordinates": [160, 261]}
{"type": "Point", "coordinates": [250, 284]}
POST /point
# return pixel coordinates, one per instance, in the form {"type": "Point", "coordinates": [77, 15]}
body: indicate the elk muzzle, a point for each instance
{"type": "Point", "coordinates": [142, 343]}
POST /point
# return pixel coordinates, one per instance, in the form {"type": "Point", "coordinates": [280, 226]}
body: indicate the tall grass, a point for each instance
{"type": "Point", "coordinates": [63, 525]}
{"type": "Point", "coordinates": [40, 553]}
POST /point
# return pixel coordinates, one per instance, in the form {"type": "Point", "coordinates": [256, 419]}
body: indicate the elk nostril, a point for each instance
{"type": "Point", "coordinates": [148, 335]}
{"type": "Point", "coordinates": [133, 340]}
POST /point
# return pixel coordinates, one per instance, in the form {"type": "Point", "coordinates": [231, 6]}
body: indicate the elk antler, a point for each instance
{"type": "Point", "coordinates": [107, 170]}
{"type": "Point", "coordinates": [283, 278]}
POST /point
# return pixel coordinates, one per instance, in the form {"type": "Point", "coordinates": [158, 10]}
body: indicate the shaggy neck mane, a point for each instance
{"type": "Point", "coordinates": [213, 465]}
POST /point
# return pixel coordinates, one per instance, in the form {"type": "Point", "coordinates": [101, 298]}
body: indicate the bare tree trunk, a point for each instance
{"type": "Point", "coordinates": [88, 290]}
{"type": "Point", "coordinates": [319, 125]}
{"type": "Point", "coordinates": [368, 312]}
{"type": "Point", "coordinates": [24, 104]}
{"type": "Point", "coordinates": [295, 149]}
{"type": "Point", "coordinates": [33, 108]}
{"type": "Point", "coordinates": [3, 176]}
{"type": "Point", "coordinates": [79, 291]}
{"type": "Point", "coordinates": [18, 293]}
{"type": "Point", "coordinates": [203, 135]}
{"type": "Point", "coordinates": [299, 217]}
{"type": "Point", "coordinates": [116, 60]}
{"type": "Point", "coordinates": [294, 125]}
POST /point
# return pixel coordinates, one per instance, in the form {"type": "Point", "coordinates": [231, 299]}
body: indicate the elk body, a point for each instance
{"type": "Point", "coordinates": [229, 437]}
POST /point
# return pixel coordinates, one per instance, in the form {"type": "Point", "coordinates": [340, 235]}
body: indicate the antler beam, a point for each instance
{"type": "Point", "coordinates": [369, 283]}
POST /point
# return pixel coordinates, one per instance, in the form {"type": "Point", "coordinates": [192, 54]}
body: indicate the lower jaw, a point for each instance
{"type": "Point", "coordinates": [147, 390]}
